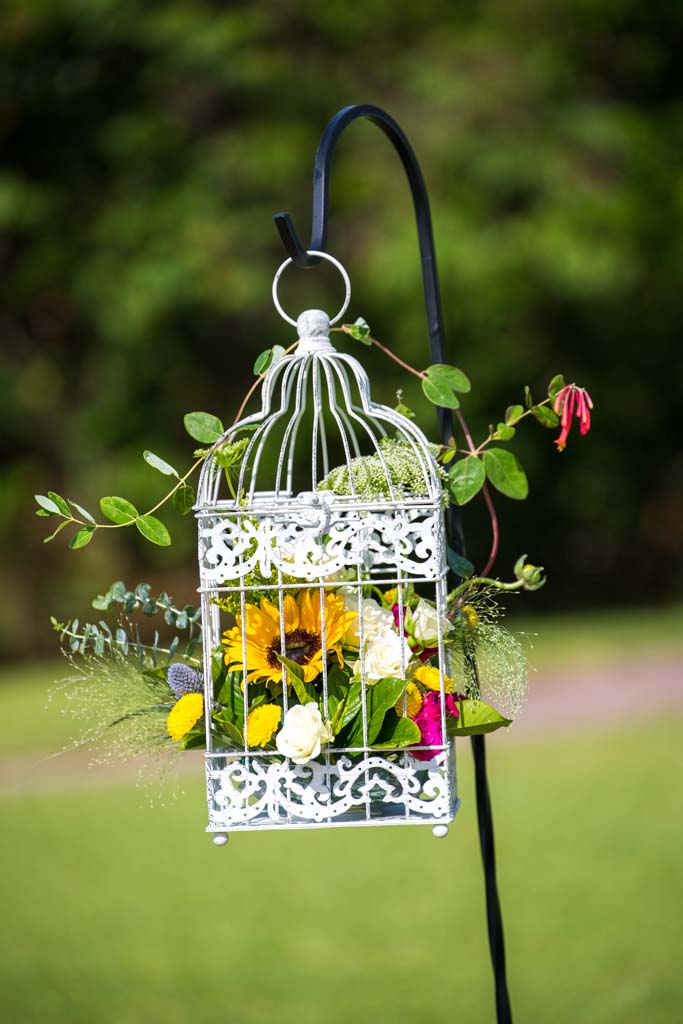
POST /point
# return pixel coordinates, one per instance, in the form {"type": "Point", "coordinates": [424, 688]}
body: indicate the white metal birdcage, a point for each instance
{"type": "Point", "coordinates": [282, 531]}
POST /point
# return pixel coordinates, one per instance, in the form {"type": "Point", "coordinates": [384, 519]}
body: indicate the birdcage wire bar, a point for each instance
{"type": "Point", "coordinates": [300, 536]}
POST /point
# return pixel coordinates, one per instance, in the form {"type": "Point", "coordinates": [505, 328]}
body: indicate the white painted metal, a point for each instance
{"type": "Point", "coordinates": [317, 410]}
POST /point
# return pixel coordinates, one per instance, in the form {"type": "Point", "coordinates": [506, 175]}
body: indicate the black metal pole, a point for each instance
{"type": "Point", "coordinates": [430, 281]}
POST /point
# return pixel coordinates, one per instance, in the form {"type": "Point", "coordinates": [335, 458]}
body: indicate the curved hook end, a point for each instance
{"type": "Point", "coordinates": [292, 242]}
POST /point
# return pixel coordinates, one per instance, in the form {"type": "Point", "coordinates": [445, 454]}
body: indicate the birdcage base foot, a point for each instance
{"type": "Point", "coordinates": [440, 831]}
{"type": "Point", "coordinates": [220, 839]}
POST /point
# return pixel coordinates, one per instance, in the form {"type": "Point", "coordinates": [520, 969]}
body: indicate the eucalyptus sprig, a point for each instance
{"type": "Point", "coordinates": [99, 638]}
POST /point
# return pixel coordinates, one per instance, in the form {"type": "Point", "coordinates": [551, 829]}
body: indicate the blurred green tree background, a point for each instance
{"type": "Point", "coordinates": [146, 146]}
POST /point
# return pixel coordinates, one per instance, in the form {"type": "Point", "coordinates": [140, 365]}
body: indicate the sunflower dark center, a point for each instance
{"type": "Point", "coordinates": [300, 646]}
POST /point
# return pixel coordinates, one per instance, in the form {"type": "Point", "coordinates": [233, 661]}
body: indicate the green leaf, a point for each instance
{"type": "Point", "coordinates": [83, 511]}
{"type": "Point", "coordinates": [231, 696]}
{"type": "Point", "coordinates": [465, 479]}
{"type": "Point", "coordinates": [475, 717]}
{"type": "Point", "coordinates": [263, 361]}
{"type": "Point", "coordinates": [118, 510]}
{"type": "Point", "coordinates": [228, 729]}
{"type": "Point", "coordinates": [440, 394]}
{"type": "Point", "coordinates": [459, 565]}
{"type": "Point", "coordinates": [60, 503]}
{"type": "Point", "coordinates": [513, 413]}
{"type": "Point", "coordinates": [360, 330]}
{"type": "Point", "coordinates": [154, 530]}
{"type": "Point", "coordinates": [503, 432]}
{"type": "Point", "coordinates": [556, 385]}
{"type": "Point", "coordinates": [43, 512]}
{"type": "Point", "coordinates": [48, 505]}
{"type": "Point", "coordinates": [545, 416]}
{"type": "Point", "coordinates": [397, 732]}
{"type": "Point", "coordinates": [528, 400]}
{"type": "Point", "coordinates": [279, 352]}
{"type": "Point", "coordinates": [449, 375]}
{"type": "Point", "coordinates": [380, 698]}
{"type": "Point", "coordinates": [350, 707]}
{"type": "Point", "coordinates": [203, 427]}
{"type": "Point", "coordinates": [157, 463]}
{"type": "Point", "coordinates": [505, 473]}
{"type": "Point", "coordinates": [64, 522]}
{"type": "Point", "coordinates": [295, 676]}
{"type": "Point", "coordinates": [82, 537]}
{"type": "Point", "coordinates": [183, 499]}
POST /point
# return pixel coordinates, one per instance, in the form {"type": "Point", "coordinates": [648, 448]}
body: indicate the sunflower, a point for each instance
{"type": "Point", "coordinates": [303, 635]}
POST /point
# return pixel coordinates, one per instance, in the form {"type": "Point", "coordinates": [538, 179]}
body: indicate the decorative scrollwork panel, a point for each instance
{"type": "Point", "coordinates": [407, 540]}
{"type": "Point", "coordinates": [253, 790]}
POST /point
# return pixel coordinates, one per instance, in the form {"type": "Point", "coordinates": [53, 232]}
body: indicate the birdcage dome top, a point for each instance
{"type": "Point", "coordinates": [320, 433]}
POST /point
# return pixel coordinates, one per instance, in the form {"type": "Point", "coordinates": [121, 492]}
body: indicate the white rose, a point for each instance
{"type": "Point", "coordinates": [423, 624]}
{"type": "Point", "coordinates": [375, 617]}
{"type": "Point", "coordinates": [302, 733]}
{"type": "Point", "coordinates": [383, 656]}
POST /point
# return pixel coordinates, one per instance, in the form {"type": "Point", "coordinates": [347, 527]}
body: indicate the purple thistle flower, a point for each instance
{"type": "Point", "coordinates": [182, 679]}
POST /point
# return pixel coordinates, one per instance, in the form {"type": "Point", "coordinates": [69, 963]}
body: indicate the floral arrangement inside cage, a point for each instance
{"type": "Point", "coordinates": [337, 665]}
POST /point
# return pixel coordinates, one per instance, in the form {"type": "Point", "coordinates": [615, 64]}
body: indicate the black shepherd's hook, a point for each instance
{"type": "Point", "coordinates": [430, 280]}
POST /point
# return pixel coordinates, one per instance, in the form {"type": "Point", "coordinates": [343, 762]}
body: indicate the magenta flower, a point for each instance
{"type": "Point", "coordinates": [428, 721]}
{"type": "Point", "coordinates": [568, 400]}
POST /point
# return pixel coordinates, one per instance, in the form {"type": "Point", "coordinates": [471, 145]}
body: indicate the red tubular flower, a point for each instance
{"type": "Point", "coordinates": [569, 399]}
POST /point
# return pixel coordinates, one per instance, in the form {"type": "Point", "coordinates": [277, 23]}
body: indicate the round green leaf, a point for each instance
{"type": "Point", "coordinates": [466, 479]}
{"type": "Point", "coordinates": [263, 361]}
{"type": "Point", "coordinates": [278, 353]}
{"type": "Point", "coordinates": [503, 432]}
{"type": "Point", "coordinates": [440, 393]}
{"type": "Point", "coordinates": [449, 375]}
{"type": "Point", "coordinates": [513, 413]}
{"type": "Point", "coordinates": [204, 427]}
{"type": "Point", "coordinates": [82, 537]}
{"type": "Point", "coordinates": [156, 463]}
{"type": "Point", "coordinates": [183, 499]}
{"type": "Point", "coordinates": [545, 416]}
{"type": "Point", "coordinates": [556, 385]}
{"type": "Point", "coordinates": [118, 510]}
{"type": "Point", "coordinates": [505, 473]}
{"type": "Point", "coordinates": [154, 530]}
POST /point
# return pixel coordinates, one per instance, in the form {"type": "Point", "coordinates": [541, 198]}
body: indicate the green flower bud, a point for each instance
{"type": "Point", "coordinates": [530, 575]}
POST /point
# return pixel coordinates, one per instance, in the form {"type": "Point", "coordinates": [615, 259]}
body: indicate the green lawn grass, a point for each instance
{"type": "Point", "coordinates": [116, 913]}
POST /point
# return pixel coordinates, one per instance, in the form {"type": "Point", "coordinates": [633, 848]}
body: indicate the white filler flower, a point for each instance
{"type": "Point", "coordinates": [383, 653]}
{"type": "Point", "coordinates": [302, 733]}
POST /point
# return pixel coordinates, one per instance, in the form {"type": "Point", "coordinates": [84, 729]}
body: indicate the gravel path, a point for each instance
{"type": "Point", "coordinates": [609, 692]}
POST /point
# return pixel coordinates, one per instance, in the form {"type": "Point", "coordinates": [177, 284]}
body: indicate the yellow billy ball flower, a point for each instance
{"type": "Point", "coordinates": [413, 702]}
{"type": "Point", "coordinates": [184, 715]}
{"type": "Point", "coordinates": [469, 614]}
{"type": "Point", "coordinates": [262, 724]}
{"type": "Point", "coordinates": [390, 597]}
{"type": "Point", "coordinates": [431, 678]}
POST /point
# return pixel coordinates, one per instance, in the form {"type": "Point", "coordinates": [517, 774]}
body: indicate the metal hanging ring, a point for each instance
{"type": "Point", "coordinates": [334, 262]}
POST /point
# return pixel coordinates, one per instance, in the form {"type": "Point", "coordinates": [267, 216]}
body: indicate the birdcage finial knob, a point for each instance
{"type": "Point", "coordinates": [314, 332]}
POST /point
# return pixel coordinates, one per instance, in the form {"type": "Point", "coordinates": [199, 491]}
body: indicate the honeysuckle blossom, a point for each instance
{"type": "Point", "coordinates": [569, 400]}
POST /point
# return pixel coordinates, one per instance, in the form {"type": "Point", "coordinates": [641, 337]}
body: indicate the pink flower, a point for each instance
{"type": "Point", "coordinates": [428, 721]}
{"type": "Point", "coordinates": [567, 400]}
